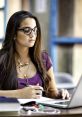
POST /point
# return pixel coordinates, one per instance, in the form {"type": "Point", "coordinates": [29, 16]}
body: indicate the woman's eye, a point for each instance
{"type": "Point", "coordinates": [27, 30]}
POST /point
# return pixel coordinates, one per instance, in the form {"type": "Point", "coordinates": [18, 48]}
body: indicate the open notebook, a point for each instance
{"type": "Point", "coordinates": [42, 100]}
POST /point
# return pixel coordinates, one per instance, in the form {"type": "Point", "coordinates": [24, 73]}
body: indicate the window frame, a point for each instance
{"type": "Point", "coordinates": [3, 9]}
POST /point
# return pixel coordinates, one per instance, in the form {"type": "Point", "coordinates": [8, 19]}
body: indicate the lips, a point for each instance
{"type": "Point", "coordinates": [31, 40]}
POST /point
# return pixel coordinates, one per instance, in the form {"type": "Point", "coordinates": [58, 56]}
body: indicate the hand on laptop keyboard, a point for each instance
{"type": "Point", "coordinates": [64, 94]}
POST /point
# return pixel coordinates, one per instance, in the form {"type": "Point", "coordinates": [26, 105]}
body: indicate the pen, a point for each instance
{"type": "Point", "coordinates": [31, 108]}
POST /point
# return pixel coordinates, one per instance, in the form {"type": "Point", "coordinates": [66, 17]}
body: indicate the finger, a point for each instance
{"type": "Point", "coordinates": [35, 96]}
{"type": "Point", "coordinates": [37, 84]}
{"type": "Point", "coordinates": [35, 91]}
{"type": "Point", "coordinates": [33, 87]}
{"type": "Point", "coordinates": [38, 92]}
{"type": "Point", "coordinates": [67, 95]}
{"type": "Point", "coordinates": [38, 88]}
{"type": "Point", "coordinates": [63, 94]}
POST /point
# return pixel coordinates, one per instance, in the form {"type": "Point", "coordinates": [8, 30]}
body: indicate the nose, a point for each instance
{"type": "Point", "coordinates": [32, 34]}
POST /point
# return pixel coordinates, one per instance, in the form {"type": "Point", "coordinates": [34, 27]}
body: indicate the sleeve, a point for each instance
{"type": "Point", "coordinates": [46, 60]}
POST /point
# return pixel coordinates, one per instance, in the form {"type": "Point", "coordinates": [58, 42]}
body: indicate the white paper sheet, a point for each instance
{"type": "Point", "coordinates": [42, 99]}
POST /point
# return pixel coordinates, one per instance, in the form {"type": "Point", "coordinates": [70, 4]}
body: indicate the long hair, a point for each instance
{"type": "Point", "coordinates": [7, 53]}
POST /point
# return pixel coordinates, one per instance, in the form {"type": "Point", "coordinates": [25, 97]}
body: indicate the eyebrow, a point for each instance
{"type": "Point", "coordinates": [27, 27]}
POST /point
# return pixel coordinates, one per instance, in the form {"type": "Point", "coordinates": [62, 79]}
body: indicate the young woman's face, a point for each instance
{"type": "Point", "coordinates": [27, 33]}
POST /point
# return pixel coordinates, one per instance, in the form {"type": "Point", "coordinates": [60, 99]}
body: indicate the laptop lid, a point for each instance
{"type": "Point", "coordinates": [76, 99]}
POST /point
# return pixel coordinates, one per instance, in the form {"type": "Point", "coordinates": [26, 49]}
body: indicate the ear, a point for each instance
{"type": "Point", "coordinates": [14, 37]}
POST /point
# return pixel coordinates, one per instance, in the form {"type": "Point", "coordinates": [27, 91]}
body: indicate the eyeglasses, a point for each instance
{"type": "Point", "coordinates": [28, 30]}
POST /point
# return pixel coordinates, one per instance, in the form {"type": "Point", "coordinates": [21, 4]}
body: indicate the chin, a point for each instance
{"type": "Point", "coordinates": [31, 45]}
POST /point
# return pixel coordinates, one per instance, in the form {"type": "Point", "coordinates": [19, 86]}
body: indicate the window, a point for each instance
{"type": "Point", "coordinates": [66, 36]}
{"type": "Point", "coordinates": [2, 19]}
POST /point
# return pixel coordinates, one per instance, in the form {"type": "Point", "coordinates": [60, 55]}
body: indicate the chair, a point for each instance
{"type": "Point", "coordinates": [64, 80]}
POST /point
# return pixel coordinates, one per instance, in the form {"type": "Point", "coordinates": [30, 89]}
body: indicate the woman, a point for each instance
{"type": "Point", "coordinates": [25, 71]}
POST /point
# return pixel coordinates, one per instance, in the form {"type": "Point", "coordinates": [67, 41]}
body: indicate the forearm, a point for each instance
{"type": "Point", "coordinates": [52, 88]}
{"type": "Point", "coordinates": [27, 92]}
{"type": "Point", "coordinates": [52, 93]}
{"type": "Point", "coordinates": [9, 93]}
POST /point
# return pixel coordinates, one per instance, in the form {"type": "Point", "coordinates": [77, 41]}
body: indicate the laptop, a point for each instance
{"type": "Point", "coordinates": [75, 101]}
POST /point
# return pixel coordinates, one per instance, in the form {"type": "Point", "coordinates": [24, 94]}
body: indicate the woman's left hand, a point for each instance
{"type": "Point", "coordinates": [64, 94]}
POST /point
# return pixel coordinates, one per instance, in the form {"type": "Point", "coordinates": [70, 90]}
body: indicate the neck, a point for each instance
{"type": "Point", "coordinates": [23, 52]}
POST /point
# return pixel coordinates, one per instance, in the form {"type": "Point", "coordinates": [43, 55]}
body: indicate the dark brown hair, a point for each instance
{"type": "Point", "coordinates": [8, 74]}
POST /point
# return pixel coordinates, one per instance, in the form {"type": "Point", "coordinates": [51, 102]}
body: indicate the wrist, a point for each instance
{"type": "Point", "coordinates": [59, 94]}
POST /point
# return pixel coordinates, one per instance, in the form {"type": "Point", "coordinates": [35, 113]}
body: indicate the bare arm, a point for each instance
{"type": "Point", "coordinates": [9, 93]}
{"type": "Point", "coordinates": [53, 91]}
{"type": "Point", "coordinates": [27, 92]}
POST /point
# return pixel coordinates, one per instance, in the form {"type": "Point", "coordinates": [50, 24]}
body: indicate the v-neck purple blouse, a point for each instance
{"type": "Point", "coordinates": [36, 79]}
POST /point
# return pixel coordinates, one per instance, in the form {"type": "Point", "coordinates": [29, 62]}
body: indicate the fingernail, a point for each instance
{"type": "Point", "coordinates": [38, 84]}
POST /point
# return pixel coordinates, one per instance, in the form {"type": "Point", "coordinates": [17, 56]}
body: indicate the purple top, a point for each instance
{"type": "Point", "coordinates": [36, 79]}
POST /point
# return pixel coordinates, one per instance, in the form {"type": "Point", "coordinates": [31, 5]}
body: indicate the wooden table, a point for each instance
{"type": "Point", "coordinates": [76, 112]}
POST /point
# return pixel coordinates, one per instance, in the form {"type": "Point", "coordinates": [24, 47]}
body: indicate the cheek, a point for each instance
{"type": "Point", "coordinates": [22, 39]}
{"type": "Point", "coordinates": [20, 36]}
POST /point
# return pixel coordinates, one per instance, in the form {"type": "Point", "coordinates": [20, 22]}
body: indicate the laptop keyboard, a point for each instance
{"type": "Point", "coordinates": [63, 103]}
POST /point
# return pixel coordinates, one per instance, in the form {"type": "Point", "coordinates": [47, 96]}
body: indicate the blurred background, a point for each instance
{"type": "Point", "coordinates": [61, 24]}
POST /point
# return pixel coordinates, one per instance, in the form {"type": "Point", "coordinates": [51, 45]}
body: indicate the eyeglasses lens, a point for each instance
{"type": "Point", "coordinates": [28, 30]}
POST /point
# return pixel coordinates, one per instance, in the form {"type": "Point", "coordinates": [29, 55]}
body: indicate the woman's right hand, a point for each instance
{"type": "Point", "coordinates": [31, 91]}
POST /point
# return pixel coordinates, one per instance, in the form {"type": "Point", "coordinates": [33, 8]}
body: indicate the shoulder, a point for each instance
{"type": "Point", "coordinates": [44, 54]}
{"type": "Point", "coordinates": [46, 60]}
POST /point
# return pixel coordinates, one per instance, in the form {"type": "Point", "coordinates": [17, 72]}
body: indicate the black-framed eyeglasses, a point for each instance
{"type": "Point", "coordinates": [28, 30]}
